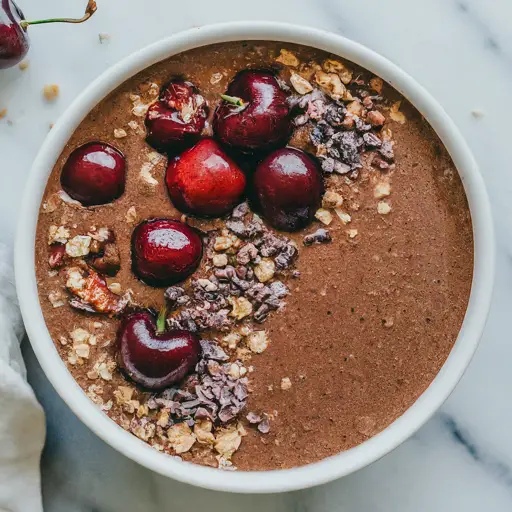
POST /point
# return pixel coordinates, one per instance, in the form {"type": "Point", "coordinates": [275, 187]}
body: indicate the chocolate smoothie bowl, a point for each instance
{"type": "Point", "coordinates": [254, 255]}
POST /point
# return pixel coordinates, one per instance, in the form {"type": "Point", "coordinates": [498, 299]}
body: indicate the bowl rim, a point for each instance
{"type": "Point", "coordinates": [337, 465]}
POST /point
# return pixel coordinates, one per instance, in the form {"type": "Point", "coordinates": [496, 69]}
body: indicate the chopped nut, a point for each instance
{"type": "Point", "coordinates": [300, 84]}
{"type": "Point", "coordinates": [181, 438]}
{"type": "Point", "coordinates": [82, 350]}
{"type": "Point", "coordinates": [286, 383]}
{"type": "Point", "coordinates": [376, 84]}
{"type": "Point", "coordinates": [288, 58]}
{"type": "Point", "coordinates": [265, 270]}
{"type": "Point", "coordinates": [56, 299]}
{"type": "Point", "coordinates": [344, 217]}
{"type": "Point", "coordinates": [232, 340]}
{"type": "Point", "coordinates": [123, 394]}
{"type": "Point", "coordinates": [203, 432]}
{"type": "Point", "coordinates": [335, 66]}
{"type": "Point", "coordinates": [383, 208]}
{"type": "Point", "coordinates": [134, 126]}
{"type": "Point", "coordinates": [257, 341]}
{"type": "Point", "coordinates": [382, 189]}
{"type": "Point", "coordinates": [241, 307]}
{"type": "Point", "coordinates": [222, 243]}
{"type": "Point", "coordinates": [235, 371]}
{"type": "Point", "coordinates": [79, 336]}
{"type": "Point", "coordinates": [331, 83]}
{"type": "Point", "coordinates": [352, 233]}
{"type": "Point", "coordinates": [139, 108]}
{"type": "Point", "coordinates": [51, 92]}
{"type": "Point", "coordinates": [386, 134]}
{"type": "Point", "coordinates": [245, 330]}
{"type": "Point", "coordinates": [145, 174]}
{"type": "Point", "coordinates": [395, 114]}
{"type": "Point", "coordinates": [216, 78]}
{"type": "Point", "coordinates": [220, 260]}
{"type": "Point", "coordinates": [163, 418]}
{"type": "Point", "coordinates": [376, 118]}
{"type": "Point", "coordinates": [58, 235]}
{"type": "Point", "coordinates": [332, 199]}
{"type": "Point", "coordinates": [228, 441]}
{"type": "Point", "coordinates": [102, 235]}
{"type": "Point", "coordinates": [115, 288]}
{"type": "Point", "coordinates": [119, 133]}
{"type": "Point", "coordinates": [131, 215]}
{"type": "Point", "coordinates": [323, 216]}
{"type": "Point", "coordinates": [355, 108]}
{"type": "Point", "coordinates": [78, 246]}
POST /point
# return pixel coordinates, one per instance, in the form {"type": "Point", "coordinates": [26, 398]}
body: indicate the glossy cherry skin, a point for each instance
{"type": "Point", "coordinates": [288, 188]}
{"type": "Point", "coordinates": [263, 123]}
{"type": "Point", "coordinates": [165, 251]}
{"type": "Point", "coordinates": [204, 180]}
{"type": "Point", "coordinates": [14, 42]}
{"type": "Point", "coordinates": [177, 119]}
{"type": "Point", "coordinates": [154, 360]}
{"type": "Point", "coordinates": [94, 174]}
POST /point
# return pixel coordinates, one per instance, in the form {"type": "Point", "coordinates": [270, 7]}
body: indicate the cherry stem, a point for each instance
{"type": "Point", "coordinates": [160, 321]}
{"type": "Point", "coordinates": [89, 11]}
{"type": "Point", "coordinates": [235, 100]}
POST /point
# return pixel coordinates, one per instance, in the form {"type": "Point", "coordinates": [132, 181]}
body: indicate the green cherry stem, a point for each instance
{"type": "Point", "coordinates": [160, 321]}
{"type": "Point", "coordinates": [235, 100]}
{"type": "Point", "coordinates": [89, 11]}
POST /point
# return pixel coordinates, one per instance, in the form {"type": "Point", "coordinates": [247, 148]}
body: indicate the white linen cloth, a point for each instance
{"type": "Point", "coordinates": [22, 424]}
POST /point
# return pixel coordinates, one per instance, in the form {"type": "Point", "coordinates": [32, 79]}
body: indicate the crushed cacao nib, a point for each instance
{"type": "Point", "coordinates": [175, 296]}
{"type": "Point", "coordinates": [371, 140]}
{"type": "Point", "coordinates": [210, 393]}
{"type": "Point", "coordinates": [264, 426]}
{"type": "Point", "coordinates": [320, 236]}
{"type": "Point", "coordinates": [386, 150]}
{"type": "Point", "coordinates": [341, 134]}
{"type": "Point", "coordinates": [254, 418]}
{"type": "Point", "coordinates": [286, 257]}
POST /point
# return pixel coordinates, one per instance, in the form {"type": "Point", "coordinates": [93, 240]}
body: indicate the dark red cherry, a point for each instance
{"type": "Point", "coordinates": [288, 189]}
{"type": "Point", "coordinates": [153, 358]}
{"type": "Point", "coordinates": [254, 114]}
{"type": "Point", "coordinates": [14, 43]}
{"type": "Point", "coordinates": [165, 251]}
{"type": "Point", "coordinates": [204, 180]}
{"type": "Point", "coordinates": [177, 119]}
{"type": "Point", "coordinates": [94, 173]}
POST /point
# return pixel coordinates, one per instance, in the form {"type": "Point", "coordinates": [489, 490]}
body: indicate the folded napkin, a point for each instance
{"type": "Point", "coordinates": [22, 425]}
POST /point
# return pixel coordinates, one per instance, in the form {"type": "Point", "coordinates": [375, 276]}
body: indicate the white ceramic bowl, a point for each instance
{"type": "Point", "coordinates": [332, 467]}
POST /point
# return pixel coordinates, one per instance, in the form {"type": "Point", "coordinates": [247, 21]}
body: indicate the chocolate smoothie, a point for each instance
{"type": "Point", "coordinates": [313, 340]}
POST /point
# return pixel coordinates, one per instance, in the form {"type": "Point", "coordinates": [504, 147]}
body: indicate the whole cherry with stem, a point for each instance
{"type": "Point", "coordinates": [14, 42]}
{"type": "Point", "coordinates": [150, 355]}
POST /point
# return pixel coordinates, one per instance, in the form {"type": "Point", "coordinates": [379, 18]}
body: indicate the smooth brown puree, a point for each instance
{"type": "Point", "coordinates": [352, 372]}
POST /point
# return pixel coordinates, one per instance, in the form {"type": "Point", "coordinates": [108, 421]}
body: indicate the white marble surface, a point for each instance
{"type": "Point", "coordinates": [461, 50]}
